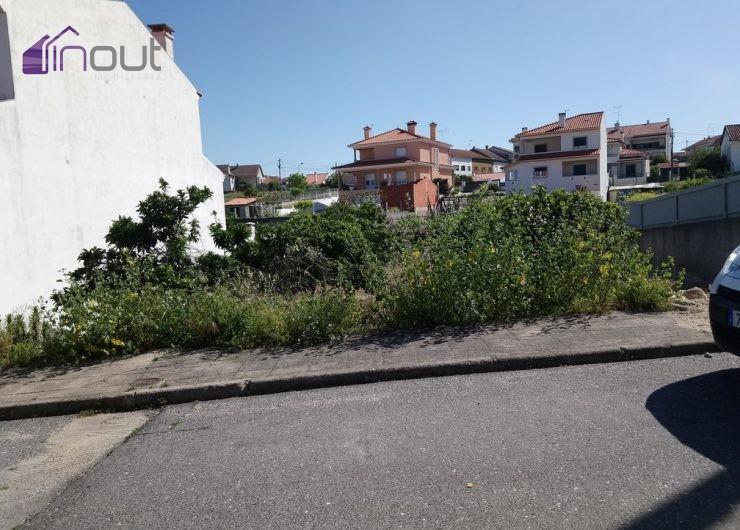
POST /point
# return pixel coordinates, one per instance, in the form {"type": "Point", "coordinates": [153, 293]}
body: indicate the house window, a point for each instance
{"type": "Point", "coordinates": [630, 171]}
{"type": "Point", "coordinates": [540, 148]}
{"type": "Point", "coordinates": [6, 70]}
{"type": "Point", "coordinates": [580, 141]}
{"type": "Point", "coordinates": [516, 148]}
{"type": "Point", "coordinates": [457, 167]}
{"type": "Point", "coordinates": [540, 172]}
{"type": "Point", "coordinates": [580, 169]}
{"type": "Point", "coordinates": [435, 157]}
{"type": "Point", "coordinates": [400, 177]}
{"type": "Point", "coordinates": [370, 182]}
{"type": "Point", "coordinates": [400, 152]}
{"type": "Point", "coordinates": [647, 145]}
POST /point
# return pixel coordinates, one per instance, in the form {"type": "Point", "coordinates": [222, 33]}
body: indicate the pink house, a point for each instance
{"type": "Point", "coordinates": [404, 169]}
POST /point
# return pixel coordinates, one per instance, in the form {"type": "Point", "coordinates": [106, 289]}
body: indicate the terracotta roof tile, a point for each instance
{"type": "Point", "coordinates": [467, 153]}
{"type": "Point", "coordinates": [394, 135]}
{"type": "Point", "coordinates": [369, 163]}
{"type": "Point", "coordinates": [642, 129]}
{"type": "Point", "coordinates": [316, 179]}
{"type": "Point", "coordinates": [241, 201]}
{"type": "Point", "coordinates": [579, 122]}
{"type": "Point", "coordinates": [485, 177]}
{"type": "Point", "coordinates": [627, 154]}
{"type": "Point", "coordinates": [733, 131]}
{"type": "Point", "coordinates": [706, 143]}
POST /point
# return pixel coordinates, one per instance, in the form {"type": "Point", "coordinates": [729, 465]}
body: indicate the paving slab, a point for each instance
{"type": "Point", "coordinates": [177, 376]}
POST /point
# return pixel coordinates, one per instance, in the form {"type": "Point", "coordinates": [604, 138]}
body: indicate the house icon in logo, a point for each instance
{"type": "Point", "coordinates": [36, 58]}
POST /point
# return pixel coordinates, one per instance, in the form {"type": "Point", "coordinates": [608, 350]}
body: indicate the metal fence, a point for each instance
{"type": "Point", "coordinates": [718, 200]}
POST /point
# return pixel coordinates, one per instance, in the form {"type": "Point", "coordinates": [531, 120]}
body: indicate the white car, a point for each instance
{"type": "Point", "coordinates": [724, 304]}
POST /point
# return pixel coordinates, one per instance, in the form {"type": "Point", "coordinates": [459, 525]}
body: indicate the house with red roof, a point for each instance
{"type": "Point", "coordinates": [710, 142]}
{"type": "Point", "coordinates": [316, 179]}
{"type": "Point", "coordinates": [402, 168]}
{"type": "Point", "coordinates": [569, 154]}
{"type": "Point", "coordinates": [654, 138]}
{"type": "Point", "coordinates": [731, 146]}
{"type": "Point", "coordinates": [469, 162]}
{"type": "Point", "coordinates": [242, 207]}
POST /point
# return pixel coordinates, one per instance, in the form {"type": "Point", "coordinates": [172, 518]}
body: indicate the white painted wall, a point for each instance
{"type": "Point", "coordinates": [520, 175]}
{"type": "Point", "coordinates": [732, 151]}
{"type": "Point", "coordinates": [78, 149]}
{"type": "Point", "coordinates": [466, 162]}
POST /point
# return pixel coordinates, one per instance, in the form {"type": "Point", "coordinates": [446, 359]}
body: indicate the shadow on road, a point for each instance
{"type": "Point", "coordinates": [703, 413]}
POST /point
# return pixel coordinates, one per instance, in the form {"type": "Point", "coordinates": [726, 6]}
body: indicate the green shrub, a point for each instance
{"type": "Point", "coordinates": [344, 247]}
{"type": "Point", "coordinates": [640, 196]}
{"type": "Point", "coordinates": [303, 205]}
{"type": "Point", "coordinates": [523, 256]}
{"type": "Point", "coordinates": [107, 322]}
{"type": "Point", "coordinates": [679, 185]}
{"type": "Point", "coordinates": [316, 278]}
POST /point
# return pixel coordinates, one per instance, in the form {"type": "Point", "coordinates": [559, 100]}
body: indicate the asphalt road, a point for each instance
{"type": "Point", "coordinates": [644, 444]}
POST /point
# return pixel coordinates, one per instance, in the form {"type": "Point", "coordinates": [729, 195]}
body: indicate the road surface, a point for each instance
{"type": "Point", "coordinates": [645, 444]}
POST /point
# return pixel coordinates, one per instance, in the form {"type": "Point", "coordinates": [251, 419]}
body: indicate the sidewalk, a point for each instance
{"type": "Point", "coordinates": [157, 378]}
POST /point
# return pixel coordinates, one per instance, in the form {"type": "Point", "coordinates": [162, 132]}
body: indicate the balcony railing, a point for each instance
{"type": "Point", "coordinates": [587, 175]}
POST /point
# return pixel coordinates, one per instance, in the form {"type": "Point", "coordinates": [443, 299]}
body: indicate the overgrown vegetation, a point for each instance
{"type": "Point", "coordinates": [317, 278]}
{"type": "Point", "coordinates": [708, 163]}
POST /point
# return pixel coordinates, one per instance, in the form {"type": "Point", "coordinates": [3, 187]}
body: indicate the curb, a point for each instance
{"type": "Point", "coordinates": [157, 397]}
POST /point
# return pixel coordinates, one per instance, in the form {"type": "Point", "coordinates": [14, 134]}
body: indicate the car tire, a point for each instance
{"type": "Point", "coordinates": [726, 338]}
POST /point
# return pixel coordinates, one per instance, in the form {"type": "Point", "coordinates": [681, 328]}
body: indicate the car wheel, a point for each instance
{"type": "Point", "coordinates": [726, 338]}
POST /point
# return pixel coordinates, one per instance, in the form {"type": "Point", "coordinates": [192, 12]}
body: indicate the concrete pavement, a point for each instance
{"type": "Point", "coordinates": [157, 378]}
{"type": "Point", "coordinates": [40, 456]}
{"type": "Point", "coordinates": [647, 444]}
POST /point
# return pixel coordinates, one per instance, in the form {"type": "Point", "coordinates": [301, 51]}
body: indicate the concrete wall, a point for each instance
{"type": "Point", "coordinates": [78, 149]}
{"type": "Point", "coordinates": [700, 248]}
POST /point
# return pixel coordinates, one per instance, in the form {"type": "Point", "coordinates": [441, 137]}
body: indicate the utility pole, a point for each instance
{"type": "Point", "coordinates": [280, 169]}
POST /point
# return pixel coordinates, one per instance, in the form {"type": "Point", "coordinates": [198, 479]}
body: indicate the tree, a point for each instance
{"type": "Point", "coordinates": [297, 181]}
{"type": "Point", "coordinates": [710, 160]}
{"type": "Point", "coordinates": [155, 247]}
{"type": "Point", "coordinates": [332, 181]}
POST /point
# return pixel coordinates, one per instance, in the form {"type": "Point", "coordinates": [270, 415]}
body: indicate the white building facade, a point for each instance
{"type": "Point", "coordinates": [569, 154]}
{"type": "Point", "coordinates": [83, 140]}
{"type": "Point", "coordinates": [731, 146]}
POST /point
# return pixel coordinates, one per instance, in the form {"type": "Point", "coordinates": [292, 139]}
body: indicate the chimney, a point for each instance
{"type": "Point", "coordinates": [411, 127]}
{"type": "Point", "coordinates": [433, 131]}
{"type": "Point", "coordinates": [165, 37]}
{"type": "Point", "coordinates": [616, 124]}
{"type": "Point", "coordinates": [367, 130]}
{"type": "Point", "coordinates": [561, 120]}
{"type": "Point", "coordinates": [647, 122]}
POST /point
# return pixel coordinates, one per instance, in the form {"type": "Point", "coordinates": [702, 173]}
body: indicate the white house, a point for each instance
{"type": "Point", "coordinates": [569, 154]}
{"type": "Point", "coordinates": [655, 138]}
{"type": "Point", "coordinates": [88, 124]}
{"type": "Point", "coordinates": [462, 162]}
{"type": "Point", "coordinates": [731, 146]}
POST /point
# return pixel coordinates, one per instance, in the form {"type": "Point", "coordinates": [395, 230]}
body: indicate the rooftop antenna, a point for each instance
{"type": "Point", "coordinates": [618, 109]}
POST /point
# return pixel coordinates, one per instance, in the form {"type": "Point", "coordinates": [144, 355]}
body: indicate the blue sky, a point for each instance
{"type": "Point", "coordinates": [298, 79]}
